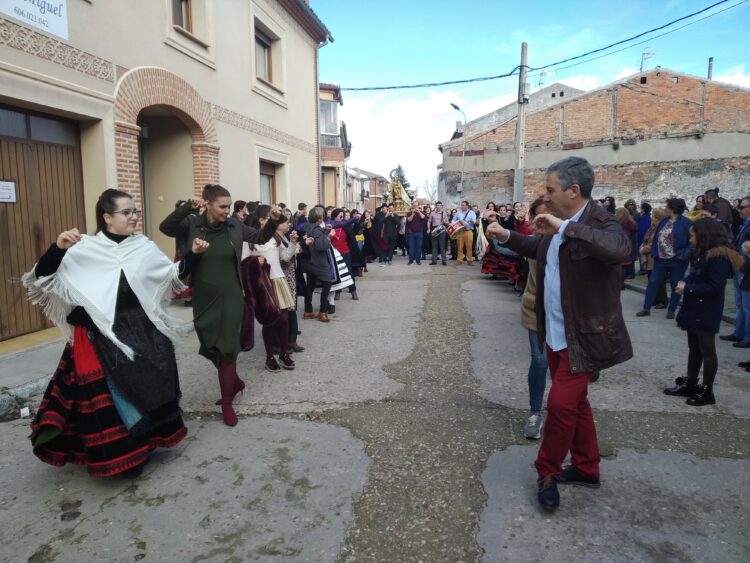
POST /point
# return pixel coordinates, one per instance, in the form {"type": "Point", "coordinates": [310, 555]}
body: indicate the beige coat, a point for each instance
{"type": "Point", "coordinates": [528, 299]}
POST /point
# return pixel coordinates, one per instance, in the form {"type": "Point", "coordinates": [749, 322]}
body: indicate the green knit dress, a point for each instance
{"type": "Point", "coordinates": [217, 298]}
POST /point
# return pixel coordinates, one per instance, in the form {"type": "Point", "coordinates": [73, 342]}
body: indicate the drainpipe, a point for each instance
{"type": "Point", "coordinates": [317, 122]}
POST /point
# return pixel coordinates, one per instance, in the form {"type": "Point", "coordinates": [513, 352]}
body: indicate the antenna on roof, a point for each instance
{"type": "Point", "coordinates": [647, 54]}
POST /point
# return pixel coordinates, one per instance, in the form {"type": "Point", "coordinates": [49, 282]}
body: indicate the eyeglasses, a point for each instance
{"type": "Point", "coordinates": [128, 212]}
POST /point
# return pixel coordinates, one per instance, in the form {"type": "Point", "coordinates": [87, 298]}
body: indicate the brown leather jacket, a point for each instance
{"type": "Point", "coordinates": [590, 279]}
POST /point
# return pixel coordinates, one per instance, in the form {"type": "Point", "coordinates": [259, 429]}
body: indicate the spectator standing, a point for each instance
{"type": "Point", "coordinates": [741, 335]}
{"type": "Point", "coordinates": [670, 249]}
{"type": "Point", "coordinates": [537, 375]}
{"type": "Point", "coordinates": [712, 262]}
{"type": "Point", "coordinates": [660, 301]}
{"type": "Point", "coordinates": [724, 207]}
{"type": "Point", "coordinates": [631, 229]}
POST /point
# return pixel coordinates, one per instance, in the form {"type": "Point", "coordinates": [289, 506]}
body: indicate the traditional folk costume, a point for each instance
{"type": "Point", "coordinates": [115, 394]}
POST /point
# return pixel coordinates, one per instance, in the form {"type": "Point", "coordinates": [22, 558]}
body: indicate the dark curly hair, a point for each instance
{"type": "Point", "coordinates": [709, 233]}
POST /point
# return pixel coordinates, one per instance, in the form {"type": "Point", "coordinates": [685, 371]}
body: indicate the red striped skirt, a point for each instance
{"type": "Point", "coordinates": [78, 410]}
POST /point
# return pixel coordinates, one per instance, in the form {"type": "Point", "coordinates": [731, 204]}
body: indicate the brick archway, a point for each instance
{"type": "Point", "coordinates": [146, 87]}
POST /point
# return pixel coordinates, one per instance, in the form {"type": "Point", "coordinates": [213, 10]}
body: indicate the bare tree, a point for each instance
{"type": "Point", "coordinates": [430, 189]}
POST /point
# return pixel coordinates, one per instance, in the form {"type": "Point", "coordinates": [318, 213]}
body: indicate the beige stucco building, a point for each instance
{"type": "Point", "coordinates": [155, 97]}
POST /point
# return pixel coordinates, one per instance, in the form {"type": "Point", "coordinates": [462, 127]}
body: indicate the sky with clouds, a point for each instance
{"type": "Point", "coordinates": [389, 42]}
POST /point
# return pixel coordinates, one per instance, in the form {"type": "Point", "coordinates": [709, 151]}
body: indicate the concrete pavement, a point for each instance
{"type": "Point", "coordinates": [397, 438]}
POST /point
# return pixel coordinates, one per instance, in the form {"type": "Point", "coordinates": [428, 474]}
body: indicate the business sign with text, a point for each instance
{"type": "Point", "coordinates": [48, 15]}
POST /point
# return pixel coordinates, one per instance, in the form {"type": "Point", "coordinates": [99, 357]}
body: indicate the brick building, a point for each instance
{"type": "Point", "coordinates": [649, 136]}
{"type": "Point", "coordinates": [156, 98]}
{"type": "Point", "coordinates": [372, 186]}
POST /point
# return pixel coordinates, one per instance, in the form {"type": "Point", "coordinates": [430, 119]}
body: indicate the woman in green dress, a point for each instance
{"type": "Point", "coordinates": [217, 288]}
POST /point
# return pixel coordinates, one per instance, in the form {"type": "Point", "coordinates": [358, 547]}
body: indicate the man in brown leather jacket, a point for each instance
{"type": "Point", "coordinates": [579, 316]}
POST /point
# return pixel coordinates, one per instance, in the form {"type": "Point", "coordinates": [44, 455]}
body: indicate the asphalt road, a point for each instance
{"type": "Point", "coordinates": [398, 438]}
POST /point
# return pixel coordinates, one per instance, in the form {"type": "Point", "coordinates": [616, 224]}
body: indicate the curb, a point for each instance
{"type": "Point", "coordinates": [637, 288]}
{"type": "Point", "coordinates": [9, 400]}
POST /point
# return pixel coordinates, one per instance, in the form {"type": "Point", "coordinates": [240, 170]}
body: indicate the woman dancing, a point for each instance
{"type": "Point", "coordinates": [218, 303]}
{"type": "Point", "coordinates": [115, 394]}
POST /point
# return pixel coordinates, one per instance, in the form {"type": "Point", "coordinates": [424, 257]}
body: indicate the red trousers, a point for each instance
{"type": "Point", "coordinates": [570, 425]}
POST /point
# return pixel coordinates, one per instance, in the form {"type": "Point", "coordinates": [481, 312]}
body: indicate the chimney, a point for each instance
{"type": "Point", "coordinates": [710, 67]}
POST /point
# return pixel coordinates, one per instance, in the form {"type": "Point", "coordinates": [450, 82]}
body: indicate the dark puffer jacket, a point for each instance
{"type": "Point", "coordinates": [703, 297]}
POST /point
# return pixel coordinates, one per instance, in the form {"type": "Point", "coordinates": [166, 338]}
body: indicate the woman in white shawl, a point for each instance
{"type": "Point", "coordinates": [115, 394]}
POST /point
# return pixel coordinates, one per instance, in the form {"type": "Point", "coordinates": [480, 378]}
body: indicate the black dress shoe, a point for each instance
{"type": "Point", "coordinates": [705, 398]}
{"type": "Point", "coordinates": [643, 313]}
{"type": "Point", "coordinates": [571, 476]}
{"type": "Point", "coordinates": [730, 338]}
{"type": "Point", "coordinates": [744, 364]}
{"type": "Point", "coordinates": [742, 344]}
{"type": "Point", "coordinates": [683, 390]}
{"type": "Point", "coordinates": [548, 495]}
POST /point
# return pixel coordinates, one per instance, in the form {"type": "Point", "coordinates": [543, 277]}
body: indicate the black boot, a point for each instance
{"type": "Point", "coordinates": [683, 390]}
{"type": "Point", "coordinates": [705, 397]}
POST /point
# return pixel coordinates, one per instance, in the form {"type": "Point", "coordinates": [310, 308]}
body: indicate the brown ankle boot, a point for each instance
{"type": "Point", "coordinates": [310, 316]}
{"type": "Point", "coordinates": [323, 317]}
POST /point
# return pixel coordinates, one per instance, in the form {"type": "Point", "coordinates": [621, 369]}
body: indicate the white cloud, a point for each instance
{"type": "Point", "coordinates": [385, 131]}
{"type": "Point", "coordinates": [582, 82]}
{"type": "Point", "coordinates": [625, 72]}
{"type": "Point", "coordinates": [735, 75]}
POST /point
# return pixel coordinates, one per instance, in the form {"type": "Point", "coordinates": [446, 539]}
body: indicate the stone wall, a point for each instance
{"type": "Point", "coordinates": [651, 181]}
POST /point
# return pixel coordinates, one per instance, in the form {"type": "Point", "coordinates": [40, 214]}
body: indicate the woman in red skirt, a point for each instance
{"type": "Point", "coordinates": [115, 394]}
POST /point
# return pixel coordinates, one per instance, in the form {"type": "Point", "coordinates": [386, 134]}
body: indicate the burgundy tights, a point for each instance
{"type": "Point", "coordinates": [277, 332]}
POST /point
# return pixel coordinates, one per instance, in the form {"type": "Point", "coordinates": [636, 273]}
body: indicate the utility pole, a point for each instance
{"type": "Point", "coordinates": [523, 99]}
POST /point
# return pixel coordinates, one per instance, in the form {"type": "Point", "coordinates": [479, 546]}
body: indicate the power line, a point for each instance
{"type": "Point", "coordinates": [650, 38]}
{"type": "Point", "coordinates": [515, 70]}
{"type": "Point", "coordinates": [432, 84]}
{"type": "Point", "coordinates": [630, 38]}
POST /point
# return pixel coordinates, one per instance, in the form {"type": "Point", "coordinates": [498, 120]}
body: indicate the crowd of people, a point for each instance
{"type": "Point", "coordinates": [240, 262]}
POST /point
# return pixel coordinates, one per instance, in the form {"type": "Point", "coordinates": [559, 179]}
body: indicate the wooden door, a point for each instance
{"type": "Point", "coordinates": [49, 199]}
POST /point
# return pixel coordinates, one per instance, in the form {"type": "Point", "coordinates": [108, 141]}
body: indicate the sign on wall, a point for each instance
{"type": "Point", "coordinates": [48, 15]}
{"type": "Point", "coordinates": [7, 191]}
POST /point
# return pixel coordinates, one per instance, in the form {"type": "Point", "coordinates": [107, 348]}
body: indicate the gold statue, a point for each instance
{"type": "Point", "coordinates": [397, 195]}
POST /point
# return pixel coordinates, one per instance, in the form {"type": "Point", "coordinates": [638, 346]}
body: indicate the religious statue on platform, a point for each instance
{"type": "Point", "coordinates": [397, 195]}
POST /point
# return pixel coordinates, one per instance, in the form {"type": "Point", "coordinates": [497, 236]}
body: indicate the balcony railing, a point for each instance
{"type": "Point", "coordinates": [333, 141]}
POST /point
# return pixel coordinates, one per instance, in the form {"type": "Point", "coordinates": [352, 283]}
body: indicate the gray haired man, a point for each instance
{"type": "Point", "coordinates": [579, 317]}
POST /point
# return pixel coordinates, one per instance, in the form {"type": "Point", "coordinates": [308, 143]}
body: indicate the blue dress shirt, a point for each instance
{"type": "Point", "coordinates": [554, 322]}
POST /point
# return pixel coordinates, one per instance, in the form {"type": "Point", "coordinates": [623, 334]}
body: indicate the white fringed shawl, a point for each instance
{"type": "Point", "coordinates": [89, 276]}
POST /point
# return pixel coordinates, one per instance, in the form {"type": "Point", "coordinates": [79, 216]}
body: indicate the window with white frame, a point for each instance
{"type": "Point", "coordinates": [329, 121]}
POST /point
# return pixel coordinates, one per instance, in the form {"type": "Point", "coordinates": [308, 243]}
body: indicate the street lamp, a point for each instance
{"type": "Point", "coordinates": [460, 187]}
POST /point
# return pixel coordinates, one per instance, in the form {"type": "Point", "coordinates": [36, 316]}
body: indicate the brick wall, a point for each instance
{"type": "Point", "coordinates": [667, 104]}
{"type": "Point", "coordinates": [146, 87]}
